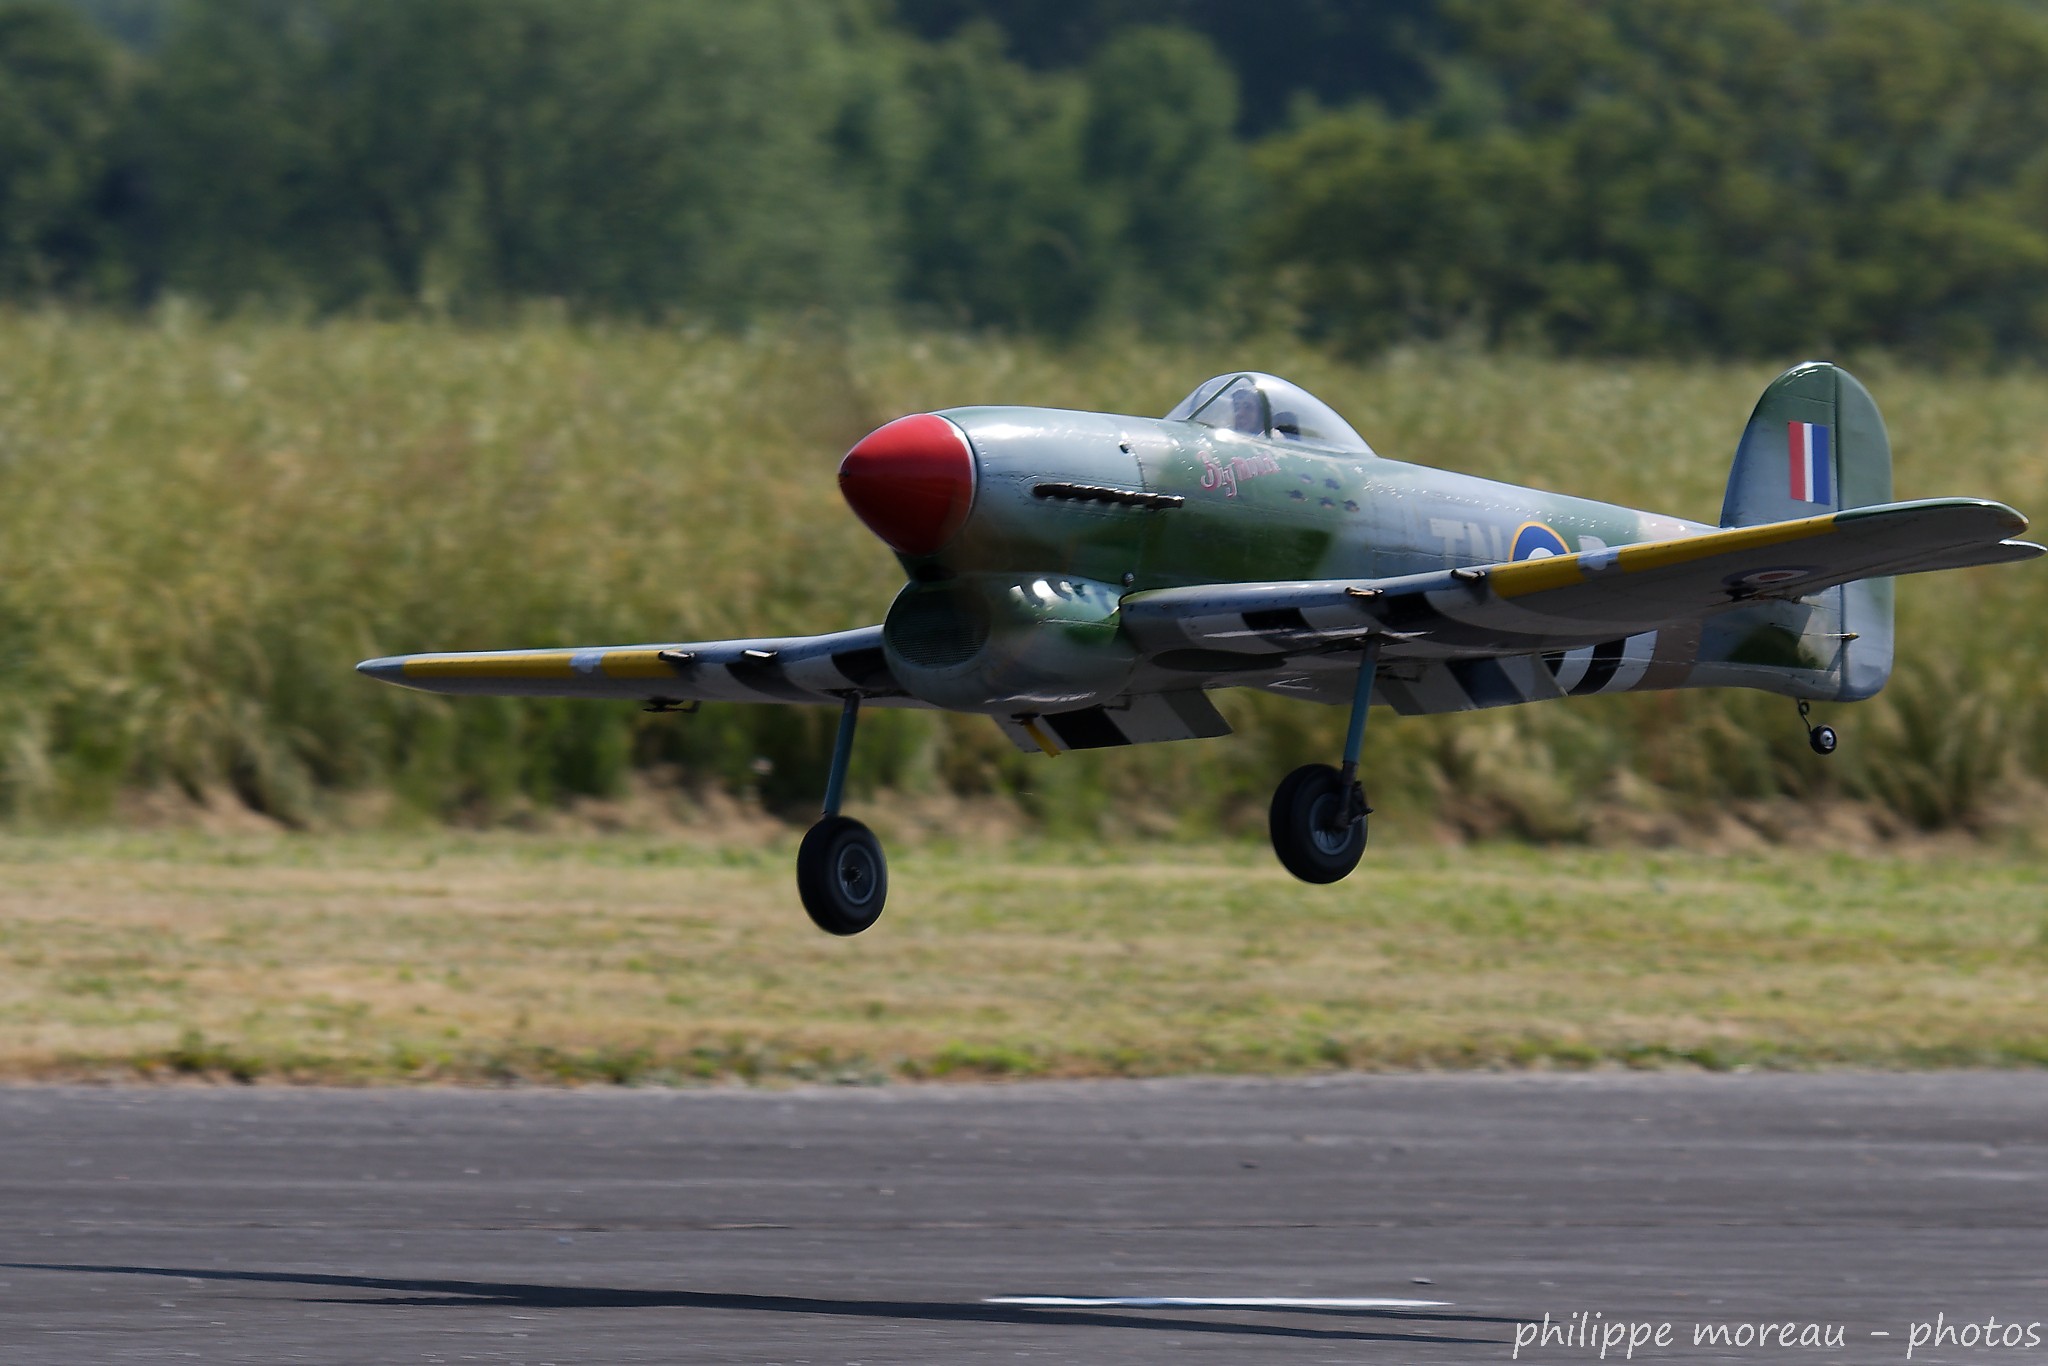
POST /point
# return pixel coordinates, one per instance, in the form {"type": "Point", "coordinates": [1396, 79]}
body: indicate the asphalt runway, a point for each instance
{"type": "Point", "coordinates": [988, 1223]}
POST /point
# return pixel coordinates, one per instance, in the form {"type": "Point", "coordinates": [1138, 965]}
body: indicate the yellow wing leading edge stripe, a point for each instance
{"type": "Point", "coordinates": [549, 665]}
{"type": "Point", "coordinates": [1562, 571]}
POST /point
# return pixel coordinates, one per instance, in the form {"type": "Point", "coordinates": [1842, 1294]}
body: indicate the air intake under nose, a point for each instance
{"type": "Point", "coordinates": [911, 481]}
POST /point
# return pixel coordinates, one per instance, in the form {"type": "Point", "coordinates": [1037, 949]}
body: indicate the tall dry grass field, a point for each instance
{"type": "Point", "coordinates": [204, 525]}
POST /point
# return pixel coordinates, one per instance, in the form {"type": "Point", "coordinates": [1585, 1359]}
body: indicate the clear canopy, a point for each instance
{"type": "Point", "coordinates": [1267, 406]}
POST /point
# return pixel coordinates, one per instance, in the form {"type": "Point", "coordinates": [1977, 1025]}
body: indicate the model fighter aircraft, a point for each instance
{"type": "Point", "coordinates": [1086, 579]}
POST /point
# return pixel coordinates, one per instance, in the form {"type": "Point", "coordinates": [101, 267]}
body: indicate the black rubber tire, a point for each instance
{"type": "Point", "coordinates": [1305, 805]}
{"type": "Point", "coordinates": [841, 875]}
{"type": "Point", "coordinates": [1822, 739]}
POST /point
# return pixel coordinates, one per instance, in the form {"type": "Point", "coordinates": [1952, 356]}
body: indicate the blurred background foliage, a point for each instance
{"type": "Point", "coordinates": [1724, 177]}
{"type": "Point", "coordinates": [333, 328]}
{"type": "Point", "coordinates": [208, 521]}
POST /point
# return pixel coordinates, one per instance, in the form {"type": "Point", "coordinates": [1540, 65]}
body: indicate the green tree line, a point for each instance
{"type": "Point", "coordinates": [1598, 176]}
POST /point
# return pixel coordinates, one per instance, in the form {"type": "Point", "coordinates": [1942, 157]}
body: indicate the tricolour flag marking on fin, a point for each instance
{"type": "Point", "coordinates": [1807, 454]}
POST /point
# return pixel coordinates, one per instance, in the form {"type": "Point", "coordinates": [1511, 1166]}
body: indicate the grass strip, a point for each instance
{"type": "Point", "coordinates": [624, 959]}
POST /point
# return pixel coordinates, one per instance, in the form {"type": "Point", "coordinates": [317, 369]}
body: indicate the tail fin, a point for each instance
{"type": "Point", "coordinates": [1816, 444]}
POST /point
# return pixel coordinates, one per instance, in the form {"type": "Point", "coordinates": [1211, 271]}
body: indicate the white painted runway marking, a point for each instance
{"type": "Point", "coordinates": [1207, 1302]}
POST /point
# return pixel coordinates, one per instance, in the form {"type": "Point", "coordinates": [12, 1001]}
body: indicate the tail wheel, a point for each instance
{"type": "Point", "coordinates": [1820, 739]}
{"type": "Point", "coordinates": [1314, 829]}
{"type": "Point", "coordinates": [841, 875]}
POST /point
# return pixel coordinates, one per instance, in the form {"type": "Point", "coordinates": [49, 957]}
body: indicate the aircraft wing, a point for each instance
{"type": "Point", "coordinates": [1565, 602]}
{"type": "Point", "coordinates": [784, 669]}
{"type": "Point", "coordinates": [1283, 636]}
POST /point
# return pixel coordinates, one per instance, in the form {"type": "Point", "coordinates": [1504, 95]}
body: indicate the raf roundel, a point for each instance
{"type": "Point", "coordinates": [911, 481]}
{"type": "Point", "coordinates": [1535, 541]}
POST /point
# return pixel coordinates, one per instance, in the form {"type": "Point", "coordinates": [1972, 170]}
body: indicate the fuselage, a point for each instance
{"type": "Point", "coordinates": [1021, 529]}
{"type": "Point", "coordinates": [1249, 508]}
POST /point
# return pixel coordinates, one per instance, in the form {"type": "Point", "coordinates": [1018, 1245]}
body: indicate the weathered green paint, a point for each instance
{"type": "Point", "coordinates": [1773, 646]}
{"type": "Point", "coordinates": [1251, 509]}
{"type": "Point", "coordinates": [1254, 509]}
{"type": "Point", "coordinates": [1270, 509]}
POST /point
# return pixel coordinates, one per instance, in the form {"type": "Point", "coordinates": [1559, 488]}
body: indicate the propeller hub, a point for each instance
{"type": "Point", "coordinates": [912, 482]}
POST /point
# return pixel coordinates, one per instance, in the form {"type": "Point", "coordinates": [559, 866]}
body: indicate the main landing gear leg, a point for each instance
{"type": "Point", "coordinates": [1820, 738]}
{"type": "Point", "coordinates": [1318, 816]}
{"type": "Point", "coordinates": [840, 872]}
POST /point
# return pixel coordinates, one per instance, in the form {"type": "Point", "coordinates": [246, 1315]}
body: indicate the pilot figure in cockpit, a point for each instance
{"type": "Point", "coordinates": [1244, 412]}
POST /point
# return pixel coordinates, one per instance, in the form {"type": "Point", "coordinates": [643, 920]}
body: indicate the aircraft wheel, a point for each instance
{"type": "Point", "coordinates": [841, 875]}
{"type": "Point", "coordinates": [1822, 738]}
{"type": "Point", "coordinates": [1309, 832]}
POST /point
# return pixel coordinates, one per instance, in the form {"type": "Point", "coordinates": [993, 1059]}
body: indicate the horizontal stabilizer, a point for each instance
{"type": "Point", "coordinates": [1971, 557]}
{"type": "Point", "coordinates": [1662, 581]}
{"type": "Point", "coordinates": [1231, 633]}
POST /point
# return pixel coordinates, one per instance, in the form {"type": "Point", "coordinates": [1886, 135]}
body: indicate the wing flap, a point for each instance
{"type": "Point", "coordinates": [1138, 719]}
{"type": "Point", "coordinates": [782, 669]}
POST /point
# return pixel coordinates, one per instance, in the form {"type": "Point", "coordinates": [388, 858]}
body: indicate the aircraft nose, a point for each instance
{"type": "Point", "coordinates": [911, 481]}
